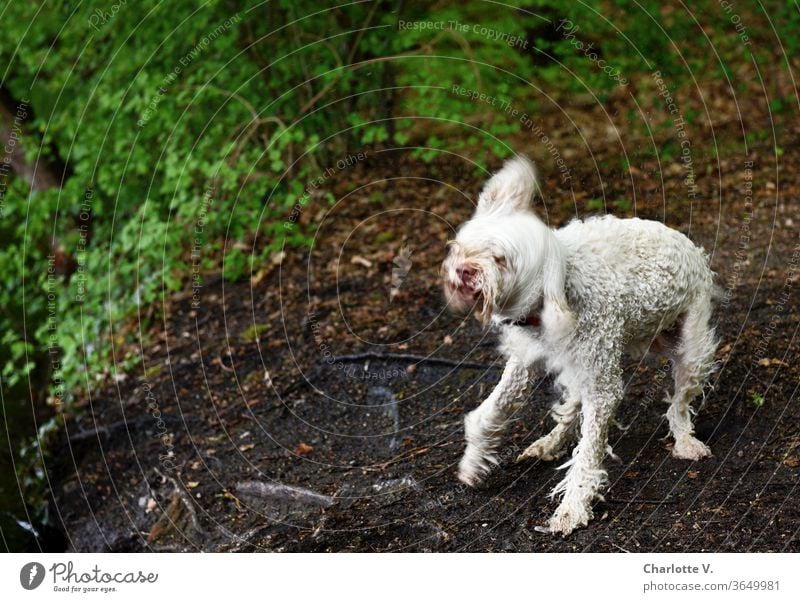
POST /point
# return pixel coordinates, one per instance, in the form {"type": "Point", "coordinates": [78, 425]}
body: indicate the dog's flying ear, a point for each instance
{"type": "Point", "coordinates": [511, 188]}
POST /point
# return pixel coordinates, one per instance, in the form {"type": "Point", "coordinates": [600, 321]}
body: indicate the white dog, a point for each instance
{"type": "Point", "coordinates": [571, 301]}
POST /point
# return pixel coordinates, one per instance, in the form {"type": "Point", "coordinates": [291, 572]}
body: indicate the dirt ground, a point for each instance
{"type": "Point", "coordinates": [287, 412]}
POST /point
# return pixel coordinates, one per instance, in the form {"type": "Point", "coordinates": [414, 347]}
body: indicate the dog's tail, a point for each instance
{"type": "Point", "coordinates": [510, 189]}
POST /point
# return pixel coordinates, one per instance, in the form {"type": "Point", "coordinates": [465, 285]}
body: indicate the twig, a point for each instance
{"type": "Point", "coordinates": [221, 364]}
{"type": "Point", "coordinates": [411, 357]}
{"type": "Point", "coordinates": [167, 548]}
{"type": "Point", "coordinates": [89, 433]}
{"type": "Point", "coordinates": [107, 430]}
{"type": "Point", "coordinates": [300, 382]}
{"type": "Point", "coordinates": [279, 491]}
{"type": "Point", "coordinates": [410, 454]}
{"type": "Point", "coordinates": [641, 501]}
{"type": "Point", "coordinates": [417, 451]}
{"type": "Point", "coordinates": [620, 548]}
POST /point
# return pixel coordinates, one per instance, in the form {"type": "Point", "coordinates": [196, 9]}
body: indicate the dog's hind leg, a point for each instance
{"type": "Point", "coordinates": [693, 362]}
{"type": "Point", "coordinates": [484, 426]}
{"type": "Point", "coordinates": [552, 444]}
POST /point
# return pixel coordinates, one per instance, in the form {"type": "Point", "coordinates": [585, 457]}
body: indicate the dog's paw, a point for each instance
{"type": "Point", "coordinates": [541, 449]}
{"type": "Point", "coordinates": [689, 448]}
{"type": "Point", "coordinates": [568, 517]}
{"type": "Point", "coordinates": [475, 466]}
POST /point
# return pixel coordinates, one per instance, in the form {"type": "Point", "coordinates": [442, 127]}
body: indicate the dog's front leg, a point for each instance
{"type": "Point", "coordinates": [586, 477]}
{"type": "Point", "coordinates": [484, 426]}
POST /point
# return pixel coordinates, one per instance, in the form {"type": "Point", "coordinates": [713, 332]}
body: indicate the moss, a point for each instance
{"type": "Point", "coordinates": [254, 332]}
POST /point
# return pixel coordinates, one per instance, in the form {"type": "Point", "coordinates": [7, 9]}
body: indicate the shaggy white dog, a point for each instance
{"type": "Point", "coordinates": [571, 302]}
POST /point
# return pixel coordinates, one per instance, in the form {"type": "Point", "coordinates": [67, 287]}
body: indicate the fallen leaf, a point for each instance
{"type": "Point", "coordinates": [259, 276]}
{"type": "Point", "coordinates": [791, 461]}
{"type": "Point", "coordinates": [192, 484]}
{"type": "Point", "coordinates": [302, 449]}
{"type": "Point", "coordinates": [168, 520]}
{"type": "Point", "coordinates": [693, 474]}
{"type": "Point", "coordinates": [771, 361]}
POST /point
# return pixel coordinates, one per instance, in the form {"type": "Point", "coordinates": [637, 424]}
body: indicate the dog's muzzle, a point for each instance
{"type": "Point", "coordinates": [463, 288]}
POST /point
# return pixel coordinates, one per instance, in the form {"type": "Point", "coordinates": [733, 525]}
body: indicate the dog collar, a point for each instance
{"type": "Point", "coordinates": [532, 320]}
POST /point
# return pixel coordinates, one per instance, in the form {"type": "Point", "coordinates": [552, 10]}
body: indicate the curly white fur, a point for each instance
{"type": "Point", "coordinates": [597, 288]}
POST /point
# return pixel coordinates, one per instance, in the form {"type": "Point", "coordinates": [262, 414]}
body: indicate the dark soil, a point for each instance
{"type": "Point", "coordinates": [252, 390]}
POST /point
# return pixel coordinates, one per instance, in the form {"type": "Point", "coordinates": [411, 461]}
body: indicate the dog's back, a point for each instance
{"type": "Point", "coordinates": [651, 272]}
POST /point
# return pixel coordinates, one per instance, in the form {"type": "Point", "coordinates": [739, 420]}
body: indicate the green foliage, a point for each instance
{"type": "Point", "coordinates": [595, 205]}
{"type": "Point", "coordinates": [623, 205]}
{"type": "Point", "coordinates": [190, 133]}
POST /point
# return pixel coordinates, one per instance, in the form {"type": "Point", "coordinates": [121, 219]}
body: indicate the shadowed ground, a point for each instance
{"type": "Point", "coordinates": [270, 439]}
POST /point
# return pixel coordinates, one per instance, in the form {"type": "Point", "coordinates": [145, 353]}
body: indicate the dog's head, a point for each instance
{"type": "Point", "coordinates": [505, 261]}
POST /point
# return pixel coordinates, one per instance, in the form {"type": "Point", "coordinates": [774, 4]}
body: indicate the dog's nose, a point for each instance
{"type": "Point", "coordinates": [465, 273]}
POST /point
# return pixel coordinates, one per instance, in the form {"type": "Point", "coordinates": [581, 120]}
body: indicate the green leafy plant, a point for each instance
{"type": "Point", "coordinates": [595, 205]}
{"type": "Point", "coordinates": [185, 136]}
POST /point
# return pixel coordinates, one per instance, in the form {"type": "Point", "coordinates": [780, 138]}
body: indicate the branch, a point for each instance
{"type": "Point", "coordinates": [419, 359]}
